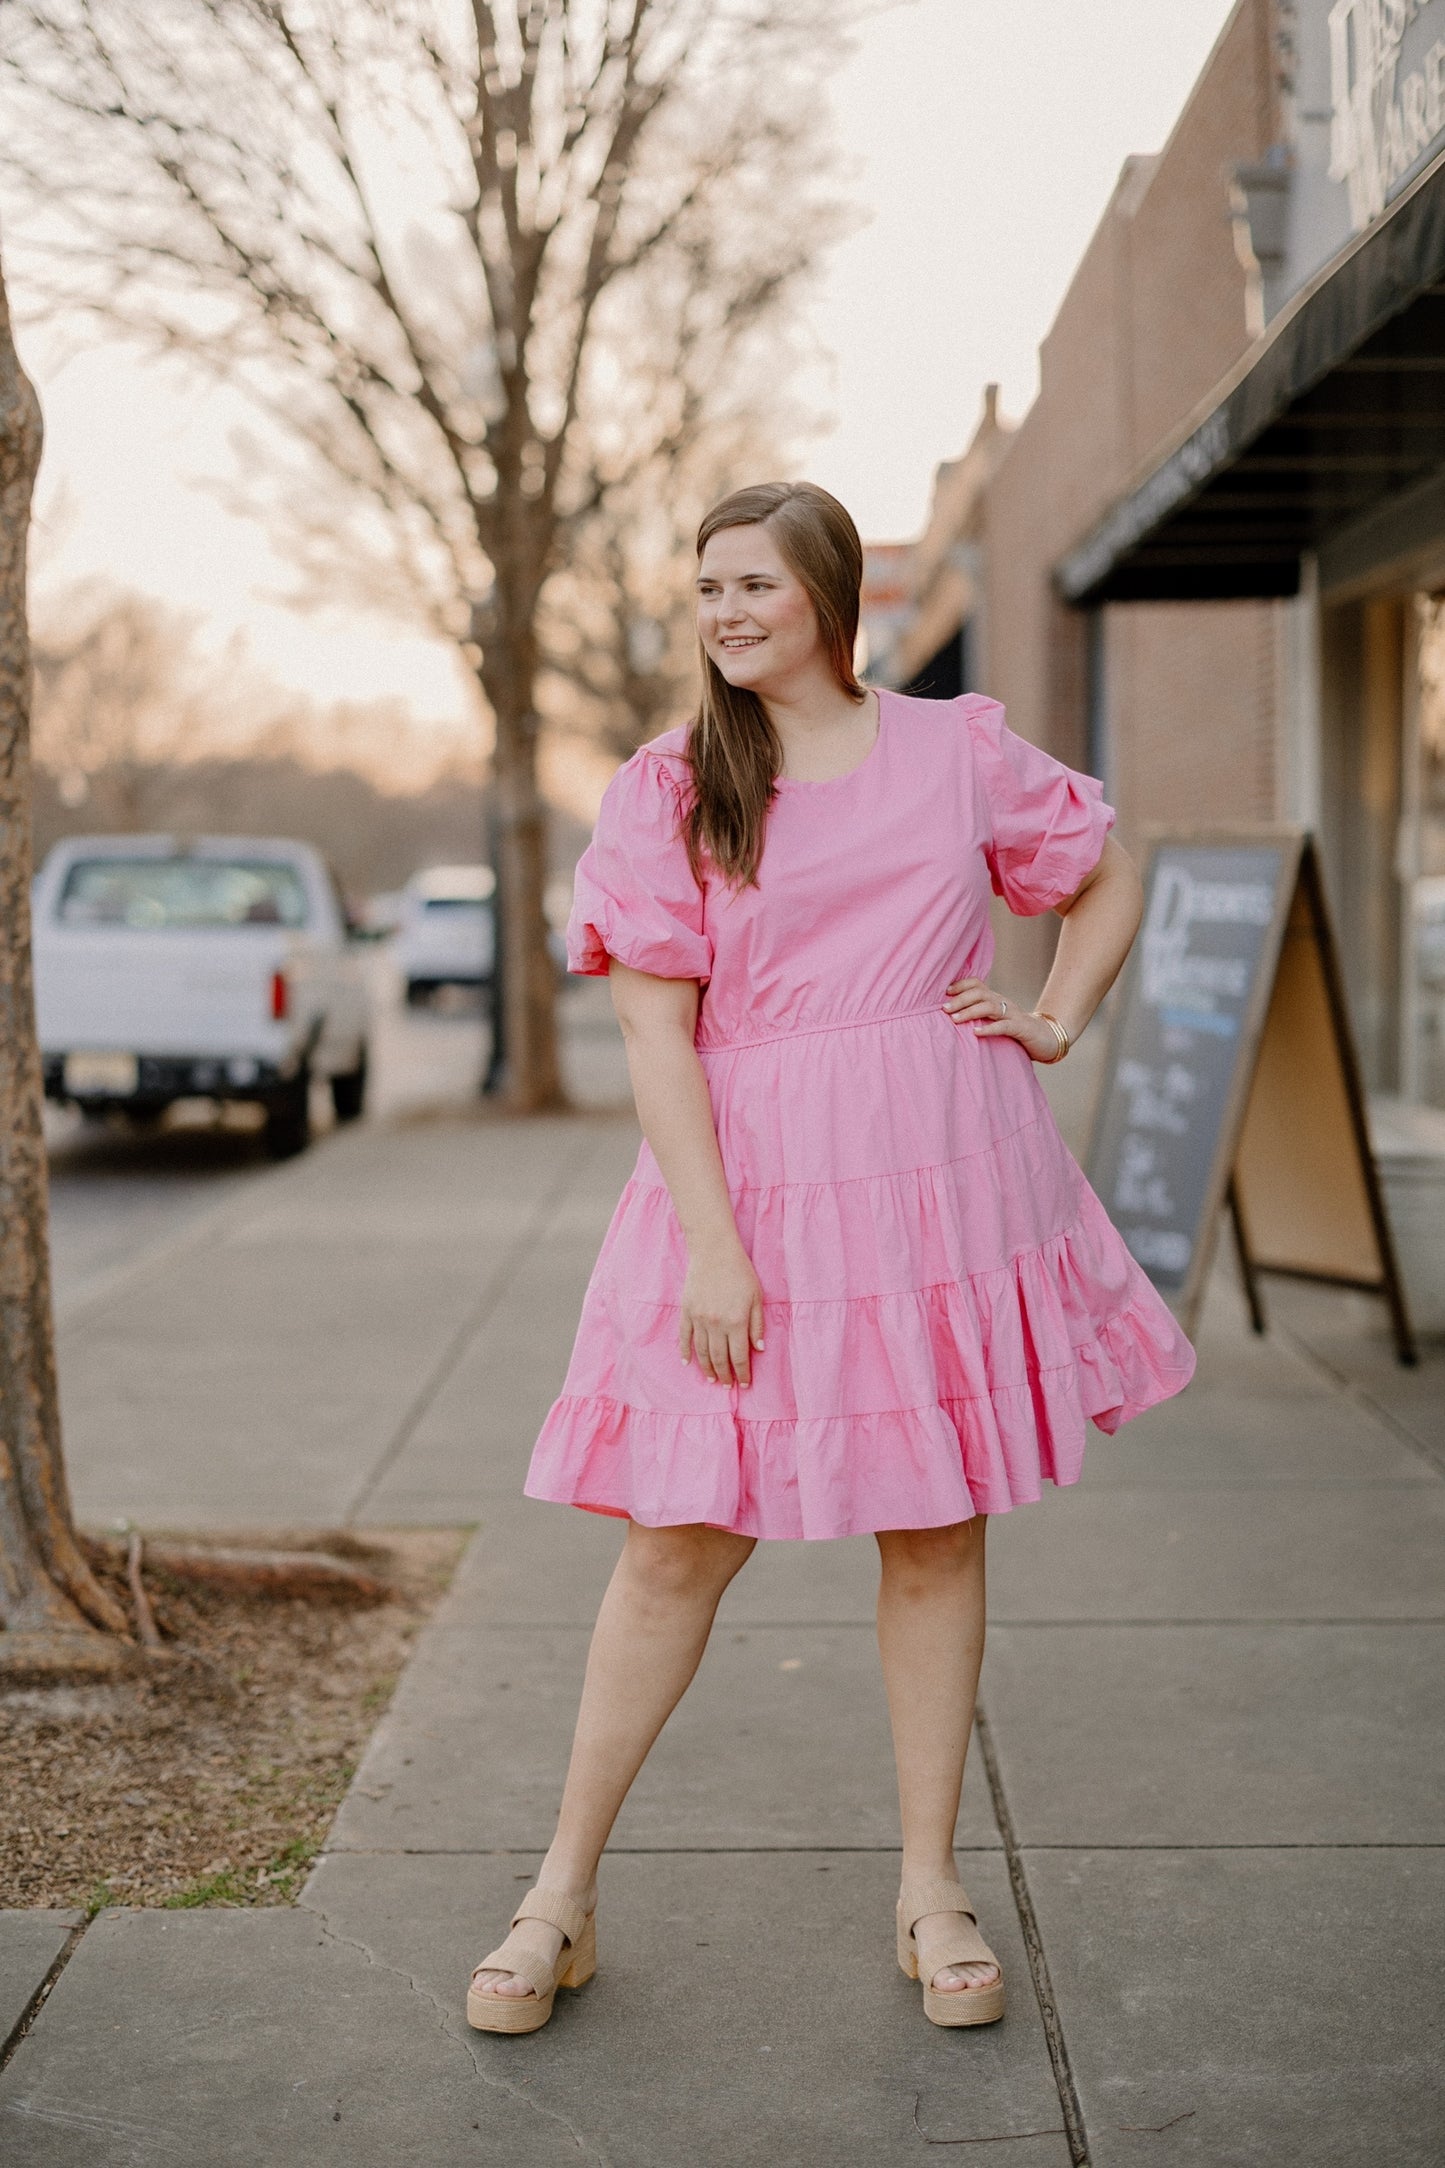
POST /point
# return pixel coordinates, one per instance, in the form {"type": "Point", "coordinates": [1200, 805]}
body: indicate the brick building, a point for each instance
{"type": "Point", "coordinates": [1207, 563]}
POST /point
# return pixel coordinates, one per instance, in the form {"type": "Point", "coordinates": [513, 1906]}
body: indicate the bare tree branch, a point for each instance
{"type": "Point", "coordinates": [428, 239]}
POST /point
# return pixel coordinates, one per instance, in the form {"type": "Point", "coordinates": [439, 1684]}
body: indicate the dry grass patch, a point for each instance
{"type": "Point", "coordinates": [212, 1776]}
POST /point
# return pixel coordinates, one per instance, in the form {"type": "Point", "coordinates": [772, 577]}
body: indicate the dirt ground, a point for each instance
{"type": "Point", "coordinates": [213, 1777]}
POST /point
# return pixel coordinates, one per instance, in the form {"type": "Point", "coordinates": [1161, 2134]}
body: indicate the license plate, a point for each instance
{"type": "Point", "coordinates": [115, 1074]}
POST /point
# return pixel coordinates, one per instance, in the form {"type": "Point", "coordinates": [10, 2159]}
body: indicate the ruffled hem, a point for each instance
{"type": "Point", "coordinates": [946, 1306]}
{"type": "Point", "coordinates": [820, 1477]}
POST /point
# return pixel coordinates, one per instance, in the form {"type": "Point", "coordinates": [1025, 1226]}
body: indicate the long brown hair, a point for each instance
{"type": "Point", "coordinates": [733, 748]}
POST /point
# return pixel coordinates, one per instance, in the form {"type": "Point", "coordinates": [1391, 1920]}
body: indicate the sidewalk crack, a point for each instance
{"type": "Point", "coordinates": [1033, 1944]}
{"type": "Point", "coordinates": [587, 2147]}
{"type": "Point", "coordinates": [23, 2024]}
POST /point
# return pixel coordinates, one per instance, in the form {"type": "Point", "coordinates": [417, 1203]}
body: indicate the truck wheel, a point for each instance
{"type": "Point", "coordinates": [348, 1092]}
{"type": "Point", "coordinates": [288, 1118]}
{"type": "Point", "coordinates": [419, 992]}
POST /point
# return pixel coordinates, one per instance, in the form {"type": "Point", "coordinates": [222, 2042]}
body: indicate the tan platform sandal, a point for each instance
{"type": "Point", "coordinates": [957, 1942]}
{"type": "Point", "coordinates": [490, 2012]}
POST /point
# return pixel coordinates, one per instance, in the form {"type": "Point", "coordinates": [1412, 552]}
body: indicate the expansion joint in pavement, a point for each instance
{"type": "Point", "coordinates": [1359, 1396]}
{"type": "Point", "coordinates": [1033, 1942]}
{"type": "Point", "coordinates": [470, 1326]}
{"type": "Point", "coordinates": [717, 1851]}
{"type": "Point", "coordinates": [1263, 1844]}
{"type": "Point", "coordinates": [41, 1996]}
{"type": "Point", "coordinates": [1250, 1623]}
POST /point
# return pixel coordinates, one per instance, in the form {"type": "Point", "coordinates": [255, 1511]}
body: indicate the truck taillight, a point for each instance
{"type": "Point", "coordinates": [280, 997]}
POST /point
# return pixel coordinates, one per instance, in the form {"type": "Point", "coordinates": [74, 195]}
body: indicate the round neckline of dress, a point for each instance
{"type": "Point", "coordinates": [830, 782]}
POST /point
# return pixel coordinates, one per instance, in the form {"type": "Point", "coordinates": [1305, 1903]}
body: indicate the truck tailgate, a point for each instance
{"type": "Point", "coordinates": [159, 992]}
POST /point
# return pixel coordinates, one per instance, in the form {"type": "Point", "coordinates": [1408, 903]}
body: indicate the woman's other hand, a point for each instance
{"type": "Point", "coordinates": [975, 1002]}
{"type": "Point", "coordinates": [722, 1313]}
{"type": "Point", "coordinates": [722, 1303]}
{"type": "Point", "coordinates": [1100, 919]}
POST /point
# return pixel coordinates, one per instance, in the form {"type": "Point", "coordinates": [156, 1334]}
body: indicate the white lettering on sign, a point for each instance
{"type": "Point", "coordinates": [1378, 126]}
{"type": "Point", "coordinates": [1140, 1186]}
{"type": "Point", "coordinates": [1163, 1248]}
{"type": "Point", "coordinates": [1158, 1101]}
{"type": "Point", "coordinates": [1173, 978]}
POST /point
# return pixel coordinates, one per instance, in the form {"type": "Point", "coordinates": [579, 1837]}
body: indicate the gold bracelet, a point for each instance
{"type": "Point", "coordinates": [1064, 1041]}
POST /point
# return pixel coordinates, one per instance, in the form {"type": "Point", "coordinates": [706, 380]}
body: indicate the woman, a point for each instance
{"type": "Point", "coordinates": [856, 1282]}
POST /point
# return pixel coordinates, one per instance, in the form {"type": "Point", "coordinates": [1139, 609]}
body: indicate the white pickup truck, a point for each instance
{"type": "Point", "coordinates": [214, 967]}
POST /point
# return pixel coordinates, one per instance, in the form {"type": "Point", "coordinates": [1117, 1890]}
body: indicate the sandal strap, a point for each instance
{"type": "Point", "coordinates": [956, 1943]}
{"type": "Point", "coordinates": [933, 1893]}
{"type": "Point", "coordinates": [554, 1907]}
{"type": "Point", "coordinates": [523, 1963]}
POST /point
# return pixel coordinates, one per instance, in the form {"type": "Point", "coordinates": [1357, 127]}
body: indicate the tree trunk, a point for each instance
{"type": "Point", "coordinates": [532, 1078]}
{"type": "Point", "coordinates": [47, 1591]}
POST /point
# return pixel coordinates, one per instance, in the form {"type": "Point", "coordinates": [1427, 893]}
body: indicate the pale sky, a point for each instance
{"type": "Point", "coordinates": [989, 134]}
{"type": "Point", "coordinates": [981, 141]}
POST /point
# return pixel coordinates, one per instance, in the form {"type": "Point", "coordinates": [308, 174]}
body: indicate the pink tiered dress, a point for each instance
{"type": "Point", "coordinates": [946, 1302]}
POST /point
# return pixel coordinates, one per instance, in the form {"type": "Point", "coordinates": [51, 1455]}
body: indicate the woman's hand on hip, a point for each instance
{"type": "Point", "coordinates": [975, 1002]}
{"type": "Point", "coordinates": [722, 1313]}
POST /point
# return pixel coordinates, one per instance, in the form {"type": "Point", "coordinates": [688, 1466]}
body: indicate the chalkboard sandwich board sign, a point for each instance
{"type": "Point", "coordinates": [1230, 1078]}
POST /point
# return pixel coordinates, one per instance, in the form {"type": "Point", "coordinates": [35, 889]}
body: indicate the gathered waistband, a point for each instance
{"type": "Point", "coordinates": [808, 1031]}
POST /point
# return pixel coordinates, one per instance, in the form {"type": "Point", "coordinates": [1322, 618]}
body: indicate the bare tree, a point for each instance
{"type": "Point", "coordinates": [700, 410]}
{"type": "Point", "coordinates": [118, 693]}
{"type": "Point", "coordinates": [617, 621]}
{"type": "Point", "coordinates": [50, 1602]}
{"type": "Point", "coordinates": [416, 232]}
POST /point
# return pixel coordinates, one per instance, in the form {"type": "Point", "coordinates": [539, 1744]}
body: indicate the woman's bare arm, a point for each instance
{"type": "Point", "coordinates": [722, 1302]}
{"type": "Point", "coordinates": [1100, 920]}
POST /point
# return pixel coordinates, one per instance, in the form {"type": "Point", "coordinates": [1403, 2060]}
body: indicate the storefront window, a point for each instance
{"type": "Point", "coordinates": [1423, 864]}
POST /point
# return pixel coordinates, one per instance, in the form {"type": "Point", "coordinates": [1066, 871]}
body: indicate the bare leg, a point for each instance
{"type": "Point", "coordinates": [930, 1636]}
{"type": "Point", "coordinates": [648, 1641]}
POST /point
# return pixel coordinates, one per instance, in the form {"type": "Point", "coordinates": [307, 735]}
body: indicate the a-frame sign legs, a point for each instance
{"type": "Point", "coordinates": [1304, 1190]}
{"type": "Point", "coordinates": [1249, 1278]}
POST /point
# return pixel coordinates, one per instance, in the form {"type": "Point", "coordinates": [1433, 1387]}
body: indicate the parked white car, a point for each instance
{"type": "Point", "coordinates": [217, 967]}
{"type": "Point", "coordinates": [447, 935]}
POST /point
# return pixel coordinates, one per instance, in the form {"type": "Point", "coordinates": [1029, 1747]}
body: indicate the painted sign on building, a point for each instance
{"type": "Point", "coordinates": [1363, 88]}
{"type": "Point", "coordinates": [1386, 114]}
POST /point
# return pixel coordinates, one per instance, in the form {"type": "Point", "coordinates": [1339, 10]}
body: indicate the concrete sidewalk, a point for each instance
{"type": "Point", "coordinates": [1201, 1820]}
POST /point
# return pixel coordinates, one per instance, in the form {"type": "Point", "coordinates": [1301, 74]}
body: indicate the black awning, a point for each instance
{"type": "Point", "coordinates": [1340, 407]}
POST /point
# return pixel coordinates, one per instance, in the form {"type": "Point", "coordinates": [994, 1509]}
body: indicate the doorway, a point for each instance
{"type": "Point", "coordinates": [1382, 829]}
{"type": "Point", "coordinates": [1422, 860]}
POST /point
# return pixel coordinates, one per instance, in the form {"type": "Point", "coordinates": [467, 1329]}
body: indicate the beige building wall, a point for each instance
{"type": "Point", "coordinates": [1159, 309]}
{"type": "Point", "coordinates": [1197, 692]}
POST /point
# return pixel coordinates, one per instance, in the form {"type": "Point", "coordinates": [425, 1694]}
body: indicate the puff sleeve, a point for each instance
{"type": "Point", "coordinates": [635, 897]}
{"type": "Point", "coordinates": [1045, 824]}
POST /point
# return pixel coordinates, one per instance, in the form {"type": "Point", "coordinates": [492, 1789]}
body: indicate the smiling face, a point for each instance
{"type": "Point", "coordinates": [755, 618]}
